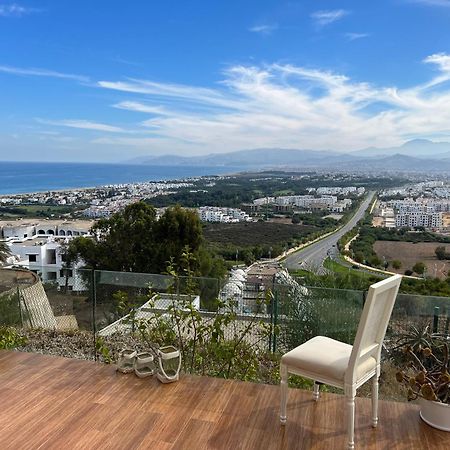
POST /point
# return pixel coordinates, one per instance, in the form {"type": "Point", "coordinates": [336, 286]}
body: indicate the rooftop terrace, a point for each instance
{"type": "Point", "coordinates": [53, 402]}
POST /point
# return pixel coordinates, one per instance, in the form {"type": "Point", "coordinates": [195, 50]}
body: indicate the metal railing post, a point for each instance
{"type": "Point", "coordinates": [94, 312]}
{"type": "Point", "coordinates": [19, 305]}
{"type": "Point", "coordinates": [275, 322]}
{"type": "Point", "coordinates": [435, 319]}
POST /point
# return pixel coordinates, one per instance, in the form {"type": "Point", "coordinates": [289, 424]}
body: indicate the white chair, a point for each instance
{"type": "Point", "coordinates": [347, 367]}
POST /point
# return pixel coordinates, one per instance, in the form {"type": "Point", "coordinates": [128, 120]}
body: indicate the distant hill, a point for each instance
{"type": "Point", "coordinates": [255, 157]}
{"type": "Point", "coordinates": [400, 162]}
{"type": "Point", "coordinates": [422, 148]}
{"type": "Point", "coordinates": [252, 159]}
{"type": "Point", "coordinates": [416, 155]}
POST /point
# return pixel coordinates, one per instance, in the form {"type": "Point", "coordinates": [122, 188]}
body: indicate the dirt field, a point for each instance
{"type": "Point", "coordinates": [409, 253]}
{"type": "Point", "coordinates": [254, 233]}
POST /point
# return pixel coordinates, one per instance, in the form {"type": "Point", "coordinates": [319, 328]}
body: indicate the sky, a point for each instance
{"type": "Point", "coordinates": [112, 80]}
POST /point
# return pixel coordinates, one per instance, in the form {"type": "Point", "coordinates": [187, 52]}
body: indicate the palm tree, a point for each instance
{"type": "Point", "coordinates": [4, 252]}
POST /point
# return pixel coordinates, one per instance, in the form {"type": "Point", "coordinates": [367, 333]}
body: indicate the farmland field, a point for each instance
{"type": "Point", "coordinates": [408, 253]}
{"type": "Point", "coordinates": [255, 233]}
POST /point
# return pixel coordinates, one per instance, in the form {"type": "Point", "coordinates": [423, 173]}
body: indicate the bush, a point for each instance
{"type": "Point", "coordinates": [419, 268]}
{"type": "Point", "coordinates": [10, 338]}
{"type": "Point", "coordinates": [441, 253]}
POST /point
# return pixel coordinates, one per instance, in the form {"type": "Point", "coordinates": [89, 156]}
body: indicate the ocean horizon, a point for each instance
{"type": "Point", "coordinates": [30, 177]}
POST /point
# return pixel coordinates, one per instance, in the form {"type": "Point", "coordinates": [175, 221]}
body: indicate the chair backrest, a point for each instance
{"type": "Point", "coordinates": [373, 324]}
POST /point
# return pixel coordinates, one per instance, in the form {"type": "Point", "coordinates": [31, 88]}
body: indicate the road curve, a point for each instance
{"type": "Point", "coordinates": [313, 256]}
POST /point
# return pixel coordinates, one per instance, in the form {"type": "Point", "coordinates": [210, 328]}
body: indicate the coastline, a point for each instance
{"type": "Point", "coordinates": [119, 175]}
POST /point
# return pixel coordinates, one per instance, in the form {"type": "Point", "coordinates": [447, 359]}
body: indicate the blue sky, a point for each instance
{"type": "Point", "coordinates": [111, 80]}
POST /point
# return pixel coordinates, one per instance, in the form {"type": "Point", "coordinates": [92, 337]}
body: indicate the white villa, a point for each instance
{"type": "Point", "coordinates": [37, 245]}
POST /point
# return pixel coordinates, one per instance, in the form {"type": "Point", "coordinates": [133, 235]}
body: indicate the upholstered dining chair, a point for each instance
{"type": "Point", "coordinates": [344, 366]}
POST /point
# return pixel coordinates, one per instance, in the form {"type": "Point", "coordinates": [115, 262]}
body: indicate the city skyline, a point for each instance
{"type": "Point", "coordinates": [109, 82]}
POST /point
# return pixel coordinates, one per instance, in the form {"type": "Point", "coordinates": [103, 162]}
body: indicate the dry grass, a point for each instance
{"type": "Point", "coordinates": [409, 253]}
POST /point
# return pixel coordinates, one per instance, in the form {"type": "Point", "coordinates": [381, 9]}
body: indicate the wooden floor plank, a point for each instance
{"type": "Point", "coordinates": [52, 403]}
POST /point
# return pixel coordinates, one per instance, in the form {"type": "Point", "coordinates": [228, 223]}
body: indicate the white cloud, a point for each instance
{"type": "Point", "coordinates": [142, 108]}
{"type": "Point", "coordinates": [83, 125]}
{"type": "Point", "coordinates": [263, 29]}
{"type": "Point", "coordinates": [15, 10]}
{"type": "Point", "coordinates": [325, 17]}
{"type": "Point", "coordinates": [355, 36]}
{"type": "Point", "coordinates": [442, 61]}
{"type": "Point", "coordinates": [195, 94]}
{"type": "Point", "coordinates": [36, 72]}
{"type": "Point", "coordinates": [282, 105]}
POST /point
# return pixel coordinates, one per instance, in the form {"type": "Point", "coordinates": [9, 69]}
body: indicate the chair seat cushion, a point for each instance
{"type": "Point", "coordinates": [326, 357]}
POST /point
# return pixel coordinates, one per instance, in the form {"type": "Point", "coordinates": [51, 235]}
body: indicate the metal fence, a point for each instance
{"type": "Point", "coordinates": [92, 304]}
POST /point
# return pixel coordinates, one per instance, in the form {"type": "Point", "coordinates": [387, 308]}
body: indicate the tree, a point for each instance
{"type": "Point", "coordinates": [133, 240]}
{"type": "Point", "coordinates": [441, 253]}
{"type": "Point", "coordinates": [419, 268]}
{"type": "Point", "coordinates": [396, 264]}
{"type": "Point", "coordinates": [177, 228]}
{"type": "Point", "coordinates": [374, 261]}
{"type": "Point", "coordinates": [4, 252]}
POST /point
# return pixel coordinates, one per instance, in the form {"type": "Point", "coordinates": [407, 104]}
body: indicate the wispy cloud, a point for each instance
{"type": "Point", "coordinates": [174, 91]}
{"type": "Point", "coordinates": [15, 10]}
{"type": "Point", "coordinates": [355, 36]}
{"type": "Point", "coordinates": [143, 108]}
{"type": "Point", "coordinates": [442, 62]}
{"type": "Point", "coordinates": [281, 105]}
{"type": "Point", "coordinates": [326, 17]}
{"type": "Point", "coordinates": [37, 72]}
{"type": "Point", "coordinates": [264, 29]}
{"type": "Point", "coordinates": [83, 125]}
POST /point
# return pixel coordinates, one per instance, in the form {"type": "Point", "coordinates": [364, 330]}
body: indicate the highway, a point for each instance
{"type": "Point", "coordinates": [312, 257]}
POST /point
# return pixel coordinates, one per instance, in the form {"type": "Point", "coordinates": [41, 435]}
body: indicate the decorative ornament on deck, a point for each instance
{"type": "Point", "coordinates": [126, 361]}
{"type": "Point", "coordinates": [144, 365]}
{"type": "Point", "coordinates": [169, 364]}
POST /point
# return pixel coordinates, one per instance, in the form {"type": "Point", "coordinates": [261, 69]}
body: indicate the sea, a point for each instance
{"type": "Point", "coordinates": [28, 177]}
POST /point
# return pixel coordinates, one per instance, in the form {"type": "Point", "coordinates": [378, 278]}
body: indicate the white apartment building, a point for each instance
{"type": "Point", "coordinates": [419, 219]}
{"type": "Point", "coordinates": [340, 190]}
{"type": "Point", "coordinates": [23, 229]}
{"type": "Point", "coordinates": [308, 201]}
{"type": "Point", "coordinates": [38, 247]}
{"type": "Point", "coordinates": [264, 201]}
{"type": "Point", "coordinates": [224, 215]}
{"type": "Point", "coordinates": [329, 202]}
{"type": "Point", "coordinates": [341, 206]}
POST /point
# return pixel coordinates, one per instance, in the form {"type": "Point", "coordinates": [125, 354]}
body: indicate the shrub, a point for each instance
{"type": "Point", "coordinates": [426, 375]}
{"type": "Point", "coordinates": [10, 338]}
{"type": "Point", "coordinates": [419, 268]}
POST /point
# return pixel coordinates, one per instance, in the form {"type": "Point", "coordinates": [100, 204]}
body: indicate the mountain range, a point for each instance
{"type": "Point", "coordinates": [415, 155]}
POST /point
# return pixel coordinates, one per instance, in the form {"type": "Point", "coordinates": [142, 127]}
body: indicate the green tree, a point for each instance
{"type": "Point", "coordinates": [133, 240]}
{"type": "Point", "coordinates": [374, 261]}
{"type": "Point", "coordinates": [396, 264]}
{"type": "Point", "coordinates": [177, 229]}
{"type": "Point", "coordinates": [441, 253]}
{"type": "Point", "coordinates": [419, 268]}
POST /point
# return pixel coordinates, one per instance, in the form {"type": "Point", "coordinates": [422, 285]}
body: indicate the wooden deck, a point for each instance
{"type": "Point", "coordinates": [56, 403]}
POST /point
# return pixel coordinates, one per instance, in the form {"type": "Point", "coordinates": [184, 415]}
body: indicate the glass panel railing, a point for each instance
{"type": "Point", "coordinates": [303, 312]}
{"type": "Point", "coordinates": [418, 310]}
{"type": "Point", "coordinates": [95, 314]}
